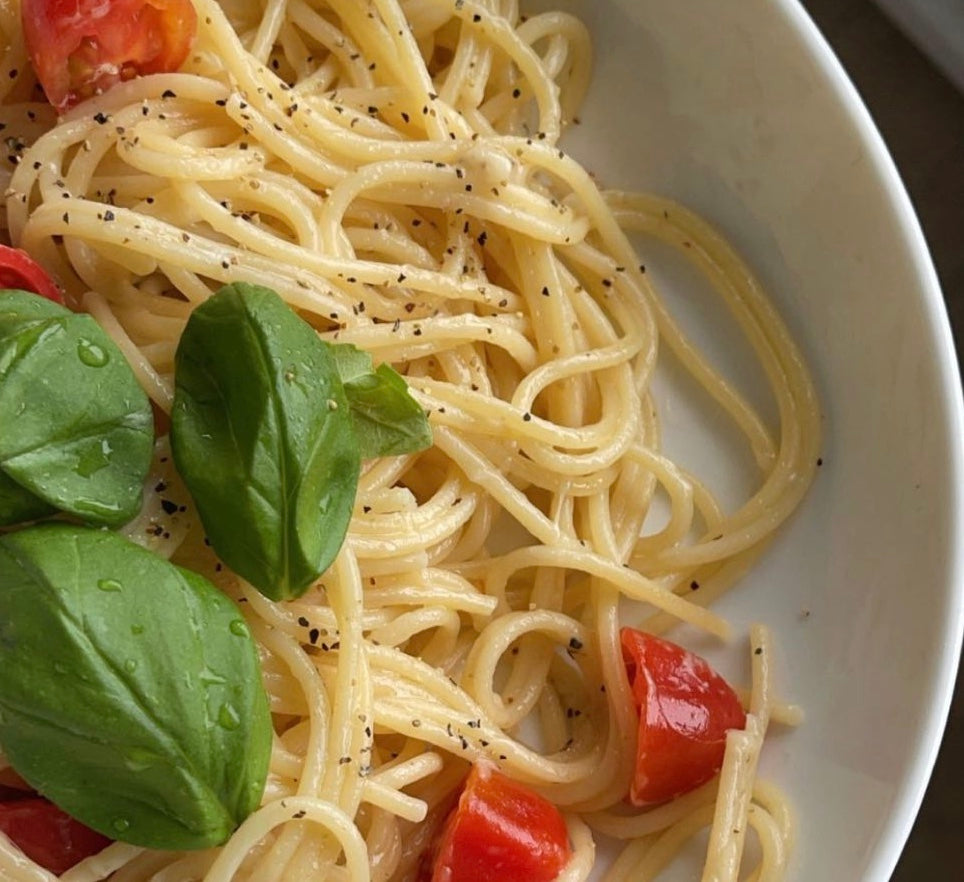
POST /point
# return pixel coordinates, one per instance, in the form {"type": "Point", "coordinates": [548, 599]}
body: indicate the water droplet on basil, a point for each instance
{"type": "Point", "coordinates": [91, 354]}
{"type": "Point", "coordinates": [228, 717]}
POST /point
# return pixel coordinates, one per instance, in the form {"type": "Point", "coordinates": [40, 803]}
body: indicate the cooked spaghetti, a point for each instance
{"type": "Point", "coordinates": [393, 169]}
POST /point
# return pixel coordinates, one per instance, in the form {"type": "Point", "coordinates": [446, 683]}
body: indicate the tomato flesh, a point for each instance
{"type": "Point", "coordinates": [685, 710]}
{"type": "Point", "coordinates": [48, 836]}
{"type": "Point", "coordinates": [500, 831]}
{"type": "Point", "coordinates": [81, 48]}
{"type": "Point", "coordinates": [19, 270]}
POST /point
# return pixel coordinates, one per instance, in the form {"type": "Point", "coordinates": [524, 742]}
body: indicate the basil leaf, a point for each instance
{"type": "Point", "coordinates": [388, 421]}
{"type": "Point", "coordinates": [77, 429]}
{"type": "Point", "coordinates": [262, 436]}
{"type": "Point", "coordinates": [17, 504]}
{"type": "Point", "coordinates": [131, 693]}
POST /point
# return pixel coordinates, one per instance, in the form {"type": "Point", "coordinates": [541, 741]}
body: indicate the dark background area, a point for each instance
{"type": "Point", "coordinates": [921, 117]}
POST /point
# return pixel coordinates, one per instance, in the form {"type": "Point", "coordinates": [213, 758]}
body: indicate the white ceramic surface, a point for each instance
{"type": "Point", "coordinates": [740, 111]}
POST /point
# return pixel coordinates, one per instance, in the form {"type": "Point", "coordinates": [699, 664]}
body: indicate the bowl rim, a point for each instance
{"type": "Point", "coordinates": [894, 833]}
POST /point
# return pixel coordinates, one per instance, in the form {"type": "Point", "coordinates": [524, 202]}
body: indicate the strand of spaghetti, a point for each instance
{"type": "Point", "coordinates": [583, 857]}
{"type": "Point", "coordinates": [629, 582]}
{"type": "Point", "coordinates": [678, 488]}
{"type": "Point", "coordinates": [740, 411]}
{"type": "Point", "coordinates": [194, 865]}
{"type": "Point", "coordinates": [399, 804]}
{"type": "Point", "coordinates": [143, 867]}
{"type": "Point", "coordinates": [418, 338]}
{"type": "Point", "coordinates": [339, 44]}
{"type": "Point", "coordinates": [304, 254]}
{"type": "Point", "coordinates": [579, 54]}
{"type": "Point", "coordinates": [163, 241]}
{"type": "Point", "coordinates": [490, 646]}
{"type": "Point", "coordinates": [500, 33]}
{"type": "Point", "coordinates": [513, 207]}
{"type": "Point", "coordinates": [644, 860]}
{"type": "Point", "coordinates": [431, 723]}
{"type": "Point", "coordinates": [463, 87]}
{"type": "Point", "coordinates": [317, 702]}
{"type": "Point", "coordinates": [728, 831]}
{"type": "Point", "coordinates": [16, 867]}
{"type": "Point", "coordinates": [353, 697]}
{"type": "Point", "coordinates": [430, 523]}
{"type": "Point", "coordinates": [572, 486]}
{"type": "Point", "coordinates": [524, 687]}
{"type": "Point", "coordinates": [344, 790]}
{"type": "Point", "coordinates": [410, 540]}
{"type": "Point", "coordinates": [300, 153]}
{"type": "Point", "coordinates": [101, 865]}
{"type": "Point", "coordinates": [623, 723]}
{"type": "Point", "coordinates": [407, 771]}
{"type": "Point", "coordinates": [276, 194]}
{"type": "Point", "coordinates": [445, 123]}
{"type": "Point", "coordinates": [608, 439]}
{"type": "Point", "coordinates": [414, 699]}
{"type": "Point", "coordinates": [653, 820]}
{"type": "Point", "coordinates": [271, 20]}
{"type": "Point", "coordinates": [788, 480]}
{"type": "Point", "coordinates": [473, 464]}
{"type": "Point", "coordinates": [573, 365]}
{"type": "Point", "coordinates": [773, 863]}
{"type": "Point", "coordinates": [775, 801]}
{"type": "Point", "coordinates": [256, 826]}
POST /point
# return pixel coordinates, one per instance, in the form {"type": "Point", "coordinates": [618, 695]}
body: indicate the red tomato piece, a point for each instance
{"type": "Point", "coordinates": [685, 710]}
{"type": "Point", "coordinates": [81, 48]}
{"type": "Point", "coordinates": [19, 270]}
{"type": "Point", "coordinates": [500, 831]}
{"type": "Point", "coordinates": [48, 836]}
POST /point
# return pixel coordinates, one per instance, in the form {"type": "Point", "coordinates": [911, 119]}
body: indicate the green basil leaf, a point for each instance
{"type": "Point", "coordinates": [77, 429]}
{"type": "Point", "coordinates": [17, 504]}
{"type": "Point", "coordinates": [131, 692]}
{"type": "Point", "coordinates": [388, 421]}
{"type": "Point", "coordinates": [262, 436]}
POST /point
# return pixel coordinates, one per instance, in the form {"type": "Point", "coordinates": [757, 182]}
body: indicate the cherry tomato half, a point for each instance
{"type": "Point", "coordinates": [685, 710]}
{"type": "Point", "coordinates": [19, 270]}
{"type": "Point", "coordinates": [500, 831]}
{"type": "Point", "coordinates": [48, 836]}
{"type": "Point", "coordinates": [81, 48]}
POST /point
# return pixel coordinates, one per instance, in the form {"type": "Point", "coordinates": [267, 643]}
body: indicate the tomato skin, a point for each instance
{"type": "Point", "coordinates": [19, 270]}
{"type": "Point", "coordinates": [685, 710]}
{"type": "Point", "coordinates": [47, 835]}
{"type": "Point", "coordinates": [81, 48]}
{"type": "Point", "coordinates": [500, 831]}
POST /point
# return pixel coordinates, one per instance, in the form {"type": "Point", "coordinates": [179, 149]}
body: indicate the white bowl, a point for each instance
{"type": "Point", "coordinates": [740, 111]}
